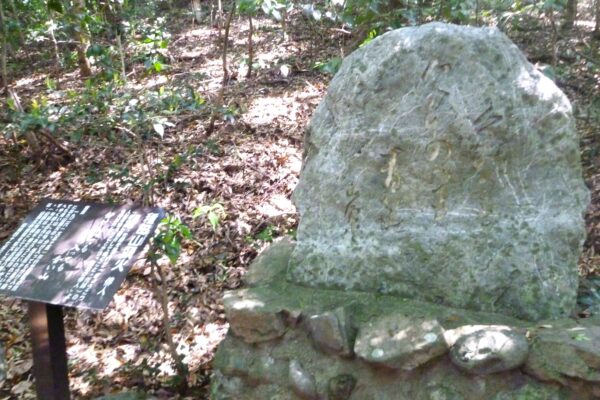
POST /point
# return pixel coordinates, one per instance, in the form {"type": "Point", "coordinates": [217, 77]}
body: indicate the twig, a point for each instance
{"type": "Point", "coordinates": [30, 135]}
{"type": "Point", "coordinates": [161, 291]}
{"type": "Point", "coordinates": [127, 131]}
{"type": "Point", "coordinates": [55, 142]}
{"type": "Point", "coordinates": [341, 31]}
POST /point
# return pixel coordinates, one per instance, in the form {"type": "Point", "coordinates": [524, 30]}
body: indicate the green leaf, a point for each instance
{"type": "Point", "coordinates": [266, 235]}
{"type": "Point", "coordinates": [331, 67]}
{"type": "Point", "coordinates": [213, 218]}
{"type": "Point", "coordinates": [580, 337]}
{"type": "Point", "coordinates": [185, 232]}
{"type": "Point", "coordinates": [199, 211]}
{"type": "Point", "coordinates": [159, 129]}
{"type": "Point", "coordinates": [276, 14]}
{"type": "Point", "coordinates": [158, 66]}
{"type": "Point", "coordinates": [248, 7]}
{"type": "Point", "coordinates": [55, 5]}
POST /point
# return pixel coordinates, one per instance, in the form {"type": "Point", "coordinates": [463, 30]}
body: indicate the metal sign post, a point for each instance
{"type": "Point", "coordinates": [49, 351]}
{"type": "Point", "coordinates": [73, 254]}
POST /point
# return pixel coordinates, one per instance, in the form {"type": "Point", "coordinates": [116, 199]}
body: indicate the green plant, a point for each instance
{"type": "Point", "coordinates": [331, 67]}
{"type": "Point", "coordinates": [267, 234]}
{"type": "Point", "coordinates": [167, 241]}
{"type": "Point", "coordinates": [152, 48]}
{"type": "Point", "coordinates": [105, 58]}
{"type": "Point", "coordinates": [277, 9]}
{"type": "Point", "coordinates": [214, 214]}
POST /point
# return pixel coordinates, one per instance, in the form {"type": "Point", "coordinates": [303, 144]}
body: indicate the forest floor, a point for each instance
{"type": "Point", "coordinates": [249, 164]}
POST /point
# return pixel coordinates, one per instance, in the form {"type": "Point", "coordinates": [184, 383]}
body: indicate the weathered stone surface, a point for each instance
{"type": "Point", "coordinates": [302, 382]}
{"type": "Point", "coordinates": [259, 371]}
{"type": "Point", "coordinates": [227, 388]}
{"type": "Point", "coordinates": [558, 354]}
{"type": "Point", "coordinates": [442, 166]}
{"type": "Point", "coordinates": [400, 342]}
{"type": "Point", "coordinates": [340, 387]}
{"type": "Point", "coordinates": [270, 264]}
{"type": "Point", "coordinates": [255, 368]}
{"type": "Point", "coordinates": [268, 369]}
{"type": "Point", "coordinates": [443, 393]}
{"type": "Point", "coordinates": [490, 350]}
{"type": "Point", "coordinates": [253, 320]}
{"type": "Point", "coordinates": [532, 392]}
{"type": "Point", "coordinates": [332, 331]}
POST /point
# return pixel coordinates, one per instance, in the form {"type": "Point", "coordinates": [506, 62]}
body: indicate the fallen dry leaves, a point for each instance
{"type": "Point", "coordinates": [249, 166]}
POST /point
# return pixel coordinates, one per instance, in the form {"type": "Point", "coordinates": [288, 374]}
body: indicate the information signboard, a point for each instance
{"type": "Point", "coordinates": [74, 253]}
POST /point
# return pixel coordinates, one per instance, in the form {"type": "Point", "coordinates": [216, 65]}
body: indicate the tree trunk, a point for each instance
{"type": "Point", "coordinates": [570, 14]}
{"type": "Point", "coordinates": [164, 303]}
{"type": "Point", "coordinates": [30, 136]}
{"type": "Point", "coordinates": [56, 52]}
{"type": "Point", "coordinates": [121, 58]}
{"type": "Point", "coordinates": [197, 11]}
{"type": "Point", "coordinates": [116, 20]}
{"type": "Point", "coordinates": [13, 7]}
{"type": "Point", "coordinates": [4, 49]}
{"type": "Point", "coordinates": [553, 37]}
{"type": "Point", "coordinates": [220, 100]}
{"type": "Point", "coordinates": [226, 43]}
{"type": "Point", "coordinates": [284, 23]}
{"type": "Point", "coordinates": [250, 48]}
{"type": "Point", "coordinates": [82, 36]}
{"type": "Point", "coordinates": [597, 10]}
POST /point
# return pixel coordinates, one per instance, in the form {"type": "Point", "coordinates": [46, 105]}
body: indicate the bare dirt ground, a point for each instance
{"type": "Point", "coordinates": [249, 165]}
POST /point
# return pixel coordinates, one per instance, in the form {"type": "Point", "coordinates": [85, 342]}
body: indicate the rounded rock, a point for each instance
{"type": "Point", "coordinates": [340, 387]}
{"type": "Point", "coordinates": [490, 350]}
{"type": "Point", "coordinates": [302, 382]}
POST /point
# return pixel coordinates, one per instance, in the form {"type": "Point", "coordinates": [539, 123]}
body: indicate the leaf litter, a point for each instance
{"type": "Point", "coordinates": [249, 165]}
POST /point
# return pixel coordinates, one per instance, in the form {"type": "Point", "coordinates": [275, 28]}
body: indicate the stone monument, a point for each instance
{"type": "Point", "coordinates": [442, 166]}
{"type": "Point", "coordinates": [441, 218]}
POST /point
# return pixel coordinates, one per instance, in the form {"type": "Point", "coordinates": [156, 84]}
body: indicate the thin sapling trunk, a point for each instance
{"type": "Point", "coordinates": [250, 48]}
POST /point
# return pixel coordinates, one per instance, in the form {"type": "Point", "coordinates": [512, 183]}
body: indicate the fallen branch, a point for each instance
{"type": "Point", "coordinates": [45, 133]}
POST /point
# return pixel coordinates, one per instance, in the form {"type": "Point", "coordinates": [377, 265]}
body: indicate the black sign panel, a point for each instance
{"type": "Point", "coordinates": [74, 253]}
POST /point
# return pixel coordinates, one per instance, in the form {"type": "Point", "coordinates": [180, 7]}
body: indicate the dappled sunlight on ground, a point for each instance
{"type": "Point", "coordinates": [249, 164]}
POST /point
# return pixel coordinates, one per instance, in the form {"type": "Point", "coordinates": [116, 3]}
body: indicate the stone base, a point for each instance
{"type": "Point", "coordinates": [291, 342]}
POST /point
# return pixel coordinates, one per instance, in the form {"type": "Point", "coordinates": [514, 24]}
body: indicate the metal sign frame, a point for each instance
{"type": "Point", "coordinates": [88, 263]}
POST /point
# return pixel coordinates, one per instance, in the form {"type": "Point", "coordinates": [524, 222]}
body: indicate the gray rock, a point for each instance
{"type": "Point", "coordinates": [302, 382]}
{"type": "Point", "coordinates": [340, 387]}
{"type": "Point", "coordinates": [442, 166]}
{"type": "Point", "coordinates": [531, 392]}
{"type": "Point", "coordinates": [231, 360]}
{"type": "Point", "coordinates": [332, 331]}
{"type": "Point", "coordinates": [270, 264]}
{"type": "Point", "coordinates": [224, 388]}
{"type": "Point", "coordinates": [557, 354]}
{"type": "Point", "coordinates": [441, 392]}
{"type": "Point", "coordinates": [400, 342]}
{"type": "Point", "coordinates": [252, 319]}
{"type": "Point", "coordinates": [490, 350]}
{"type": "Point", "coordinates": [267, 369]}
